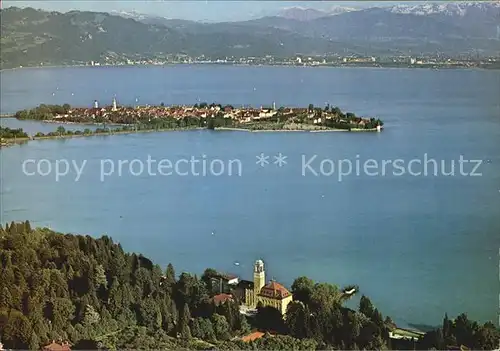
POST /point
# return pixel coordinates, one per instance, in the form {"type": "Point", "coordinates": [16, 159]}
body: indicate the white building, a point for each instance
{"type": "Point", "coordinates": [266, 113]}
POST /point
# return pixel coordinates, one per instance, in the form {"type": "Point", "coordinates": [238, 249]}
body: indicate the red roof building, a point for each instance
{"type": "Point", "coordinates": [274, 290]}
{"type": "Point", "coordinates": [222, 298]}
{"type": "Point", "coordinates": [54, 346]}
{"type": "Point", "coordinates": [252, 336]}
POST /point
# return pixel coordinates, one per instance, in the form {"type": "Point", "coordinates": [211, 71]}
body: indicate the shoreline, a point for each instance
{"type": "Point", "coordinates": [294, 130]}
{"type": "Point", "coordinates": [18, 141]}
{"type": "Point", "coordinates": [55, 121]}
{"type": "Point", "coordinates": [381, 66]}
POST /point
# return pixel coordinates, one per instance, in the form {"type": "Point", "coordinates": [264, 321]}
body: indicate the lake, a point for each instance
{"type": "Point", "coordinates": [417, 245]}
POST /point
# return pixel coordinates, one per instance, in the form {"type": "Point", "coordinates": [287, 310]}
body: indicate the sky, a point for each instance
{"type": "Point", "coordinates": [201, 10]}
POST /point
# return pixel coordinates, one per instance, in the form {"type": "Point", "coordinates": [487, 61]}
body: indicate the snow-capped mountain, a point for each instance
{"type": "Point", "coordinates": [448, 9]}
{"type": "Point", "coordinates": [134, 15]}
{"type": "Point", "coordinates": [337, 10]}
{"type": "Point", "coordinates": [477, 19]}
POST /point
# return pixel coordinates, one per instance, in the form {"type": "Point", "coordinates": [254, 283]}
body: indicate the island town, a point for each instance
{"type": "Point", "coordinates": [205, 115]}
{"type": "Point", "coordinates": [116, 119]}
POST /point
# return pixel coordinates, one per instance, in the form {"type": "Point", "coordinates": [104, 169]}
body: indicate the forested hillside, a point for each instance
{"type": "Point", "coordinates": [91, 293]}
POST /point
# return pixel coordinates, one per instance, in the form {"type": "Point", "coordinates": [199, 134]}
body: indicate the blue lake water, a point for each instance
{"type": "Point", "coordinates": [418, 246]}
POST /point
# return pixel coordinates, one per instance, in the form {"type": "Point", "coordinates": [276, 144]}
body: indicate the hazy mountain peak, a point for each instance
{"type": "Point", "coordinates": [307, 14]}
{"type": "Point", "coordinates": [301, 13]}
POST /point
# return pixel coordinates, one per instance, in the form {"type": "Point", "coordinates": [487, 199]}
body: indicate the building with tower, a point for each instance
{"type": "Point", "coordinates": [272, 294]}
{"type": "Point", "coordinates": [114, 108]}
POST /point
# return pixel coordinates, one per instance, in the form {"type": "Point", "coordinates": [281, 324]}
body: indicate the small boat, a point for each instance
{"type": "Point", "coordinates": [236, 263]}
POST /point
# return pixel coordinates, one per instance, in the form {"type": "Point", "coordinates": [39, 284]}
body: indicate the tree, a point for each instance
{"type": "Point", "coordinates": [221, 327]}
{"type": "Point", "coordinates": [150, 314]}
{"type": "Point", "coordinates": [27, 227]}
{"type": "Point", "coordinates": [243, 327]}
{"type": "Point", "coordinates": [210, 123]}
{"type": "Point", "coordinates": [17, 332]}
{"type": "Point", "coordinates": [91, 316]}
{"type": "Point", "coordinates": [325, 295]}
{"type": "Point", "coordinates": [296, 320]}
{"type": "Point", "coordinates": [5, 298]}
{"type": "Point", "coordinates": [100, 276]}
{"type": "Point", "coordinates": [446, 327]}
{"type": "Point", "coordinates": [170, 276]}
{"type": "Point", "coordinates": [207, 276]}
{"type": "Point", "coordinates": [270, 319]}
{"type": "Point", "coordinates": [465, 330]}
{"type": "Point", "coordinates": [184, 318]}
{"type": "Point", "coordinates": [488, 337]}
{"type": "Point", "coordinates": [352, 327]}
{"type": "Point", "coordinates": [207, 330]}
{"type": "Point", "coordinates": [61, 130]}
{"type": "Point", "coordinates": [34, 342]}
{"type": "Point", "coordinates": [433, 339]}
{"type": "Point", "coordinates": [62, 312]}
{"type": "Point", "coordinates": [377, 318]}
{"type": "Point", "coordinates": [195, 328]}
{"type": "Point", "coordinates": [366, 307]}
{"type": "Point", "coordinates": [86, 344]}
{"type": "Point", "coordinates": [302, 288]}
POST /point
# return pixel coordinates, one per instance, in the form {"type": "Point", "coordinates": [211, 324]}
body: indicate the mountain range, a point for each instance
{"type": "Point", "coordinates": [31, 37]}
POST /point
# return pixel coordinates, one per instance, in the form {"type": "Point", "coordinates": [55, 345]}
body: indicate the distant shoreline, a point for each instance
{"type": "Point", "coordinates": [294, 130]}
{"type": "Point", "coordinates": [382, 66]}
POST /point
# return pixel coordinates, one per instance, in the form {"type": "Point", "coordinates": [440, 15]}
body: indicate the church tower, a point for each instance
{"type": "Point", "coordinates": [114, 105]}
{"type": "Point", "coordinates": [259, 277]}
